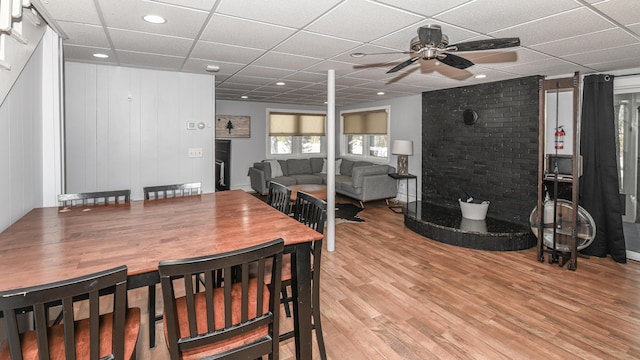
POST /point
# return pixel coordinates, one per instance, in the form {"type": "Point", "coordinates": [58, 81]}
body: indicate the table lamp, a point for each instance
{"type": "Point", "coordinates": [402, 148]}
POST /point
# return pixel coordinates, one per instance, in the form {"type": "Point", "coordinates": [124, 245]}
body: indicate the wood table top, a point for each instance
{"type": "Point", "coordinates": [319, 191]}
{"type": "Point", "coordinates": [51, 244]}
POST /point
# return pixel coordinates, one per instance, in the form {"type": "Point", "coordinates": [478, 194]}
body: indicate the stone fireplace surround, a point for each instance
{"type": "Point", "coordinates": [495, 159]}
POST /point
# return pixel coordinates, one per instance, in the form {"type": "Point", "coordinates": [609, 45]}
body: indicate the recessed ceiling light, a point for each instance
{"type": "Point", "coordinates": [357, 55]}
{"type": "Point", "coordinates": [280, 83]}
{"type": "Point", "coordinates": [380, 92]}
{"type": "Point", "coordinates": [100, 56]}
{"type": "Point", "coordinates": [244, 97]}
{"type": "Point", "coordinates": [212, 68]}
{"type": "Point", "coordinates": [154, 19]}
{"type": "Point", "coordinates": [481, 76]}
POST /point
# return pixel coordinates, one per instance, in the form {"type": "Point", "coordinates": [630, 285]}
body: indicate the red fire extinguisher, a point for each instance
{"type": "Point", "coordinates": [560, 137]}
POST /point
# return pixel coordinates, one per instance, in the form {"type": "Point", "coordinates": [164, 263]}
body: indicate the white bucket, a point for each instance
{"type": "Point", "coordinates": [474, 211]}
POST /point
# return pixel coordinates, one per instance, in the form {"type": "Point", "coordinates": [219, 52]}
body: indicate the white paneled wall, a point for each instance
{"type": "Point", "coordinates": [126, 128]}
{"type": "Point", "coordinates": [21, 144]}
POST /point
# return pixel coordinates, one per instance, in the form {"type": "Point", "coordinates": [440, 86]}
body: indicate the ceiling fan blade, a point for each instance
{"type": "Point", "coordinates": [430, 35]}
{"type": "Point", "coordinates": [488, 44]}
{"type": "Point", "coordinates": [455, 61]}
{"type": "Point", "coordinates": [404, 64]}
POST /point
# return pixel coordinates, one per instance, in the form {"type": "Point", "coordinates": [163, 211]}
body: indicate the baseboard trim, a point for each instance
{"type": "Point", "coordinates": [632, 255]}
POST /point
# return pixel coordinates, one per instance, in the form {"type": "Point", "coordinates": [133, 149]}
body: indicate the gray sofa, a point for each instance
{"type": "Point", "coordinates": [360, 180]}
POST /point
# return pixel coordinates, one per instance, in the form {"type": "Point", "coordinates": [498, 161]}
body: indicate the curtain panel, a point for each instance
{"type": "Point", "coordinates": [599, 184]}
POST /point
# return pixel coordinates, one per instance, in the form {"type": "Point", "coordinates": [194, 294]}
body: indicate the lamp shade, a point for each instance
{"type": "Point", "coordinates": [402, 147]}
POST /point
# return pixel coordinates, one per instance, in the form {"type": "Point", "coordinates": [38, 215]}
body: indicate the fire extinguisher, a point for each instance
{"type": "Point", "coordinates": [560, 137]}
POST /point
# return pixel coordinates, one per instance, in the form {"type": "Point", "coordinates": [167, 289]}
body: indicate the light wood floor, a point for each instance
{"type": "Point", "coordinates": [388, 293]}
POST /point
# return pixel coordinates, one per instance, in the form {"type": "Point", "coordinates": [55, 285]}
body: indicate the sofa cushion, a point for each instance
{"type": "Point", "coordinates": [346, 167]}
{"type": "Point", "coordinates": [298, 166]}
{"type": "Point", "coordinates": [361, 163]}
{"type": "Point", "coordinates": [285, 180]}
{"type": "Point", "coordinates": [316, 165]}
{"type": "Point", "coordinates": [307, 179]}
{"type": "Point", "coordinates": [359, 173]}
{"type": "Point", "coordinates": [283, 166]}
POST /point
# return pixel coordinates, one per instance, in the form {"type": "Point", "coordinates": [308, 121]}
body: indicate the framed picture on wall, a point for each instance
{"type": "Point", "coordinates": [233, 126]}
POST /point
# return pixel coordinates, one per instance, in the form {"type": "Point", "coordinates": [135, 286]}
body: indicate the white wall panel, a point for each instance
{"type": "Point", "coordinates": [21, 144]}
{"type": "Point", "coordinates": [140, 120]}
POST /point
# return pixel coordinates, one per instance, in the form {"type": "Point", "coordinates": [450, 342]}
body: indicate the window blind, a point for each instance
{"type": "Point", "coordinates": [296, 124]}
{"type": "Point", "coordinates": [365, 122]}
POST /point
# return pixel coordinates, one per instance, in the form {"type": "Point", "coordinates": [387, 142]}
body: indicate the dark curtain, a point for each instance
{"type": "Point", "coordinates": [599, 182]}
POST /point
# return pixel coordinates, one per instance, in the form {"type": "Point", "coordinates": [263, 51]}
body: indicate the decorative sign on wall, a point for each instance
{"type": "Point", "coordinates": [233, 126]}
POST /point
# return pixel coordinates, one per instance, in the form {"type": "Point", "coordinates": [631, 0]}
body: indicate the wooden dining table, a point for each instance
{"type": "Point", "coordinates": [56, 243]}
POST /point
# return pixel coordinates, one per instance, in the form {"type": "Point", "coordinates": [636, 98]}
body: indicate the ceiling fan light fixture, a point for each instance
{"type": "Point", "coordinates": [154, 19]}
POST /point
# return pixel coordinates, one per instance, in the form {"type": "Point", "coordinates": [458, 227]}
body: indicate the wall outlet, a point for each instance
{"type": "Point", "coordinates": [195, 152]}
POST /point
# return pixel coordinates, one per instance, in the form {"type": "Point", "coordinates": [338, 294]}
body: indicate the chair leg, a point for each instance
{"type": "Point", "coordinates": [317, 324]}
{"type": "Point", "coordinates": [285, 301]}
{"type": "Point", "coordinates": [151, 308]}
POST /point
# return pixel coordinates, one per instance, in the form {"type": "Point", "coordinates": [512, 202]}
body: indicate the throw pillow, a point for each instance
{"type": "Point", "coordinates": [276, 170]}
{"type": "Point", "coordinates": [324, 166]}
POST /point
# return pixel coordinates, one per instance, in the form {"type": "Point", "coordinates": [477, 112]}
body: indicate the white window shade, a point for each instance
{"type": "Point", "coordinates": [292, 124]}
{"type": "Point", "coordinates": [365, 122]}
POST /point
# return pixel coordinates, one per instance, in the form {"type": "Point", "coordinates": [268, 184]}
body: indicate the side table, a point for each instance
{"type": "Point", "coordinates": [406, 177]}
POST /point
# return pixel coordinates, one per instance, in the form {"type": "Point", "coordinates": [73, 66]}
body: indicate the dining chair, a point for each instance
{"type": "Point", "coordinates": [279, 197]}
{"type": "Point", "coordinates": [95, 198]}
{"type": "Point", "coordinates": [170, 191]}
{"type": "Point", "coordinates": [237, 320]}
{"type": "Point", "coordinates": [312, 212]}
{"type": "Point", "coordinates": [112, 334]}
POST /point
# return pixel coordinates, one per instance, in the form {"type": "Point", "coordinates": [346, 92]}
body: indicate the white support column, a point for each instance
{"type": "Point", "coordinates": [331, 161]}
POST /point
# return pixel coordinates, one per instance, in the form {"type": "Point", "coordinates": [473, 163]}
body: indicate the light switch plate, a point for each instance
{"type": "Point", "coordinates": [195, 152]}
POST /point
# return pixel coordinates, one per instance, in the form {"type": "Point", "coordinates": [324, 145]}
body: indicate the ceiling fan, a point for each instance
{"type": "Point", "coordinates": [431, 44]}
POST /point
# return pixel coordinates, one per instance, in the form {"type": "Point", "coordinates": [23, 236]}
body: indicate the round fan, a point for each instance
{"type": "Point", "coordinates": [586, 229]}
{"type": "Point", "coordinates": [431, 44]}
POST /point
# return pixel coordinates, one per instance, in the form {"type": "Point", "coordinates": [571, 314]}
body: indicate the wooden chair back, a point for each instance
{"type": "Point", "coordinates": [239, 318]}
{"type": "Point", "coordinates": [111, 335]}
{"type": "Point", "coordinates": [279, 197]}
{"type": "Point", "coordinates": [95, 198]}
{"type": "Point", "coordinates": [169, 191]}
{"type": "Point", "coordinates": [310, 211]}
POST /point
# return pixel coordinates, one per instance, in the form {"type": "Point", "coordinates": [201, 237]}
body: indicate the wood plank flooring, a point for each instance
{"type": "Point", "coordinates": [388, 293]}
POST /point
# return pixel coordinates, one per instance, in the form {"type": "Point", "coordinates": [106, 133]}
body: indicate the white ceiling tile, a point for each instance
{"type": "Point", "coordinates": [84, 34]}
{"type": "Point", "coordinates": [181, 22]}
{"type": "Point", "coordinates": [295, 13]}
{"type": "Point", "coordinates": [486, 16]}
{"type": "Point", "coordinates": [366, 25]}
{"type": "Point", "coordinates": [307, 76]}
{"type": "Point", "coordinates": [153, 61]}
{"type": "Point", "coordinates": [615, 65]}
{"type": "Point", "coordinates": [598, 56]}
{"type": "Point", "coordinates": [625, 12]}
{"type": "Point", "coordinates": [229, 30]}
{"type": "Point", "coordinates": [223, 52]}
{"type": "Point", "coordinates": [601, 40]}
{"type": "Point", "coordinates": [424, 7]}
{"type": "Point", "coordinates": [315, 45]}
{"type": "Point", "coordinates": [194, 4]}
{"type": "Point", "coordinates": [80, 11]}
{"type": "Point", "coordinates": [582, 21]}
{"type": "Point", "coordinates": [266, 72]}
{"type": "Point", "coordinates": [286, 61]}
{"type": "Point", "coordinates": [85, 53]}
{"type": "Point", "coordinates": [150, 43]}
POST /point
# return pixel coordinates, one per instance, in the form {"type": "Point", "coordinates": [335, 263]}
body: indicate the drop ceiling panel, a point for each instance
{"type": "Point", "coordinates": [262, 71]}
{"type": "Point", "coordinates": [626, 12]}
{"type": "Point", "coordinates": [315, 45]}
{"type": "Point", "coordinates": [229, 30]}
{"type": "Point", "coordinates": [181, 22]}
{"type": "Point", "coordinates": [194, 4]}
{"type": "Point", "coordinates": [150, 43]}
{"type": "Point", "coordinates": [295, 13]}
{"type": "Point", "coordinates": [154, 61]}
{"type": "Point", "coordinates": [424, 7]}
{"type": "Point", "coordinates": [85, 54]}
{"type": "Point", "coordinates": [222, 52]}
{"type": "Point", "coordinates": [486, 16]}
{"type": "Point", "coordinates": [80, 11]}
{"type": "Point", "coordinates": [84, 34]}
{"type": "Point", "coordinates": [601, 40]}
{"type": "Point", "coordinates": [368, 25]}
{"type": "Point", "coordinates": [286, 61]}
{"type": "Point", "coordinates": [568, 24]}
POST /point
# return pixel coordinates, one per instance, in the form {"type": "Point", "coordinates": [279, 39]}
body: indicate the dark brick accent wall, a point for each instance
{"type": "Point", "coordinates": [495, 159]}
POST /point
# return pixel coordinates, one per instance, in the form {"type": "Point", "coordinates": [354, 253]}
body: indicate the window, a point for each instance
{"type": "Point", "coordinates": [365, 133]}
{"type": "Point", "coordinates": [294, 134]}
